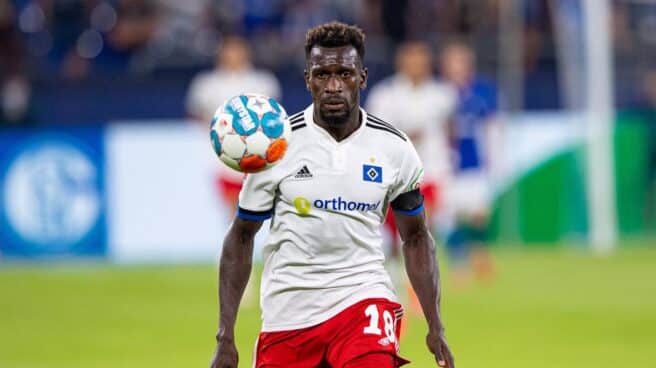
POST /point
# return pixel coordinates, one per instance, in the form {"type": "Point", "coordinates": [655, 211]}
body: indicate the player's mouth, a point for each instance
{"type": "Point", "coordinates": [334, 104]}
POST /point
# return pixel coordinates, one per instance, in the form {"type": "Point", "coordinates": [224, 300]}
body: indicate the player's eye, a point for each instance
{"type": "Point", "coordinates": [322, 75]}
{"type": "Point", "coordinates": [346, 74]}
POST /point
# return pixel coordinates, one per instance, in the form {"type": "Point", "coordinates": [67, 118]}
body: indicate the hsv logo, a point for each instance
{"type": "Point", "coordinates": [372, 173]}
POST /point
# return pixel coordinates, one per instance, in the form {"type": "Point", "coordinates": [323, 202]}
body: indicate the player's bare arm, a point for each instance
{"type": "Point", "coordinates": [234, 270]}
{"type": "Point", "coordinates": [423, 272]}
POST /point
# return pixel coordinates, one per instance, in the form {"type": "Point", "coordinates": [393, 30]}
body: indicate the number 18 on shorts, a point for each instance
{"type": "Point", "coordinates": [363, 335]}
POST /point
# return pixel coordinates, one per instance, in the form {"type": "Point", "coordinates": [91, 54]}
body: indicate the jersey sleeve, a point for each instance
{"type": "Point", "coordinates": [256, 197]}
{"type": "Point", "coordinates": [405, 196]}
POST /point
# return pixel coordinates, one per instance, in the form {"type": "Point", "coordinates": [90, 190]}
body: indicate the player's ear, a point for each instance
{"type": "Point", "coordinates": [364, 75]}
{"type": "Point", "coordinates": [306, 77]}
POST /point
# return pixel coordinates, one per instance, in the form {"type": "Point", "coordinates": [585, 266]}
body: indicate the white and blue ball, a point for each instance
{"type": "Point", "coordinates": [250, 132]}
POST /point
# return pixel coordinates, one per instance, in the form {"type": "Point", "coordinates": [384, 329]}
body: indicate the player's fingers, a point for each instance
{"type": "Point", "coordinates": [448, 356]}
{"type": "Point", "coordinates": [439, 356]}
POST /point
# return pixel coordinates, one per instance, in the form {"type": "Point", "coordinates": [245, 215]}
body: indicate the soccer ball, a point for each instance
{"type": "Point", "coordinates": [250, 132]}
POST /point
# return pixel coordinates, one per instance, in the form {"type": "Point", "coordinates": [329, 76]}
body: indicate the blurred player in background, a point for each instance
{"type": "Point", "coordinates": [468, 196]}
{"type": "Point", "coordinates": [420, 106]}
{"type": "Point", "coordinates": [327, 300]}
{"type": "Point", "coordinates": [233, 74]}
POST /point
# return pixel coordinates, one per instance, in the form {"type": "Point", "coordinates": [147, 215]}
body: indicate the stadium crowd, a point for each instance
{"type": "Point", "coordinates": [149, 50]}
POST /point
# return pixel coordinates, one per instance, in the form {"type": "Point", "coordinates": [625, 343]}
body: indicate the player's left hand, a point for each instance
{"type": "Point", "coordinates": [225, 355]}
{"type": "Point", "coordinates": [437, 345]}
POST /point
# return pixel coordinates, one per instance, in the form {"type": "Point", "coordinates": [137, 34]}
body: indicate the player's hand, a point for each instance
{"type": "Point", "coordinates": [437, 345]}
{"type": "Point", "coordinates": [225, 355]}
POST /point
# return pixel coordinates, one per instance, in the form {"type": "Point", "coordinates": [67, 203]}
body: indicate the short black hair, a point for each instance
{"type": "Point", "coordinates": [335, 34]}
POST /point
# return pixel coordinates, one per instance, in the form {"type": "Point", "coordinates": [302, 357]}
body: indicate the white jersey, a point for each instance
{"type": "Point", "coordinates": [422, 111]}
{"type": "Point", "coordinates": [327, 200]}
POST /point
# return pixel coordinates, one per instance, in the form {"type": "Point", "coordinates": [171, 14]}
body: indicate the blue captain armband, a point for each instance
{"type": "Point", "coordinates": [245, 214]}
{"type": "Point", "coordinates": [409, 203]}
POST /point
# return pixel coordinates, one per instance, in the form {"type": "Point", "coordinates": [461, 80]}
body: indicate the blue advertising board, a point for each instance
{"type": "Point", "coordinates": [52, 197]}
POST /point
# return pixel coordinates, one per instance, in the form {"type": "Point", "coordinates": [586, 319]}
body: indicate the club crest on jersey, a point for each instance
{"type": "Point", "coordinates": [372, 173]}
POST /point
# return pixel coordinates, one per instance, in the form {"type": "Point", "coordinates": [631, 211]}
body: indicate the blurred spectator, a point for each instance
{"type": "Point", "coordinates": [66, 22]}
{"type": "Point", "coordinates": [420, 106]}
{"type": "Point", "coordinates": [233, 74]}
{"type": "Point", "coordinates": [136, 22]}
{"type": "Point", "coordinates": [298, 18]}
{"type": "Point", "coordinates": [394, 18]}
{"type": "Point", "coordinates": [14, 84]}
{"type": "Point", "coordinates": [468, 196]}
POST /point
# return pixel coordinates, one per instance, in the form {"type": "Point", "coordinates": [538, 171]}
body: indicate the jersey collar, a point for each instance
{"type": "Point", "coordinates": [309, 118]}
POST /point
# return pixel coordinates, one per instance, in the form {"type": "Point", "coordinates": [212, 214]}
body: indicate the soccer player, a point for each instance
{"type": "Point", "coordinates": [233, 74]}
{"type": "Point", "coordinates": [468, 196]}
{"type": "Point", "coordinates": [326, 298]}
{"type": "Point", "coordinates": [420, 106]}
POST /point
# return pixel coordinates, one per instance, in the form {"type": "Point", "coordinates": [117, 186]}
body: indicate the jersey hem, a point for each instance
{"type": "Point", "coordinates": [378, 294]}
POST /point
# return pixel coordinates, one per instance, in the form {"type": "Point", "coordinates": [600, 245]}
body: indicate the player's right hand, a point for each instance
{"type": "Point", "coordinates": [437, 345]}
{"type": "Point", "coordinates": [225, 355]}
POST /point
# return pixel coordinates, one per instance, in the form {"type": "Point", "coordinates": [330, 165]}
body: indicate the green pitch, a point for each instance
{"type": "Point", "coordinates": [546, 309]}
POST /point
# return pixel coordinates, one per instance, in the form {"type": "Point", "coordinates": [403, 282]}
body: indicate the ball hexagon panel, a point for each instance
{"type": "Point", "coordinates": [259, 105]}
{"type": "Point", "coordinates": [257, 144]}
{"type": "Point", "coordinates": [231, 162]}
{"type": "Point", "coordinates": [272, 125]}
{"type": "Point", "coordinates": [233, 146]}
{"type": "Point", "coordinates": [223, 123]}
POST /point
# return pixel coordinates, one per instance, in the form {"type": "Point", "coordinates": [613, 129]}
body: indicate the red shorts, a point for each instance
{"type": "Point", "coordinates": [431, 192]}
{"type": "Point", "coordinates": [365, 335]}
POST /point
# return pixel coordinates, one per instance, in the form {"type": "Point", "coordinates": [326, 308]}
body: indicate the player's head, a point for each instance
{"type": "Point", "coordinates": [234, 54]}
{"type": "Point", "coordinates": [414, 61]}
{"type": "Point", "coordinates": [457, 63]}
{"type": "Point", "coordinates": [334, 72]}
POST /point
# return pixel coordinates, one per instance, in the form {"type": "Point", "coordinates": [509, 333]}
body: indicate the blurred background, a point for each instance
{"type": "Point", "coordinates": [113, 206]}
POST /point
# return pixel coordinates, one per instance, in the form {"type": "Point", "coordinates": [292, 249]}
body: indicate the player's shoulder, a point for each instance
{"type": "Point", "coordinates": [442, 86]}
{"type": "Point", "coordinates": [297, 122]}
{"type": "Point", "coordinates": [264, 75]}
{"type": "Point", "coordinates": [384, 129]}
{"type": "Point", "coordinates": [386, 83]}
{"type": "Point", "coordinates": [387, 88]}
{"type": "Point", "coordinates": [204, 78]}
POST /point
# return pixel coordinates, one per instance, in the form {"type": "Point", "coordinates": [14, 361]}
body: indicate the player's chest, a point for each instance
{"type": "Point", "coordinates": [352, 172]}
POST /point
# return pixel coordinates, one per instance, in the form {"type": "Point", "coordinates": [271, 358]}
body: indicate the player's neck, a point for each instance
{"type": "Point", "coordinates": [341, 131]}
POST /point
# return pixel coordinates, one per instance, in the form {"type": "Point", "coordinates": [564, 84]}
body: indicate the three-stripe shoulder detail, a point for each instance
{"type": "Point", "coordinates": [297, 121]}
{"type": "Point", "coordinates": [377, 123]}
{"type": "Point", "coordinates": [296, 116]}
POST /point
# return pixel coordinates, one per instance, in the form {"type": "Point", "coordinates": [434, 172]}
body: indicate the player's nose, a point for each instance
{"type": "Point", "coordinates": [333, 85]}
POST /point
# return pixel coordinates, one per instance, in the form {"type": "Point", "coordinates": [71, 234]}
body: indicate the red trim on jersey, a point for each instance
{"type": "Point", "coordinates": [228, 189]}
